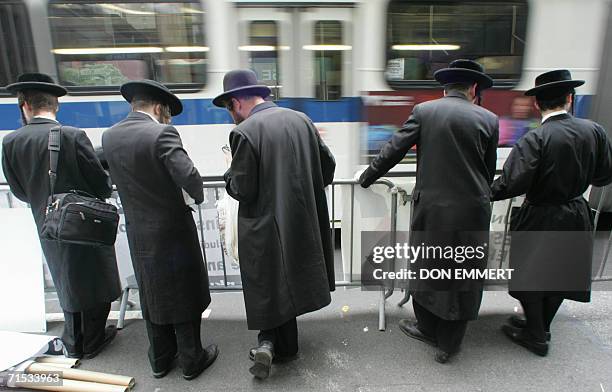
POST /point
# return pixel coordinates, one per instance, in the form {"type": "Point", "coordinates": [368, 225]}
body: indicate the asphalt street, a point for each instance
{"type": "Point", "coordinates": [341, 349]}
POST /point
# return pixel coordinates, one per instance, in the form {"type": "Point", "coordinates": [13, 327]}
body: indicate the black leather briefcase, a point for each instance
{"type": "Point", "coordinates": [76, 217]}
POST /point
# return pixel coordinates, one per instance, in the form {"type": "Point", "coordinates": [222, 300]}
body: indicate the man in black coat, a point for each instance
{"type": "Point", "coordinates": [279, 171]}
{"type": "Point", "coordinates": [151, 169]}
{"type": "Point", "coordinates": [86, 278]}
{"type": "Point", "coordinates": [551, 233]}
{"type": "Point", "coordinates": [456, 155]}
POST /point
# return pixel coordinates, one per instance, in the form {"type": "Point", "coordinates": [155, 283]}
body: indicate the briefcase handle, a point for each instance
{"type": "Point", "coordinates": [55, 143]}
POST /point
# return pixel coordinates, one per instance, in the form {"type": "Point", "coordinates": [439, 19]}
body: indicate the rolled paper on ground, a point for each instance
{"type": "Point", "coordinates": [74, 386]}
{"type": "Point", "coordinates": [59, 365]}
{"type": "Point", "coordinates": [59, 360]}
{"type": "Point", "coordinates": [83, 375]}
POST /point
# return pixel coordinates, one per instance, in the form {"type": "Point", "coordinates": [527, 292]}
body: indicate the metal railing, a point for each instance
{"type": "Point", "coordinates": [394, 191]}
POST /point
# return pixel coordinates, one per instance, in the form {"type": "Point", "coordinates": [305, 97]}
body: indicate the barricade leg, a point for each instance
{"type": "Point", "coordinates": [604, 261]}
{"type": "Point", "coordinates": [381, 311]}
{"type": "Point", "coordinates": [123, 307]}
{"type": "Point", "coordinates": [404, 300]}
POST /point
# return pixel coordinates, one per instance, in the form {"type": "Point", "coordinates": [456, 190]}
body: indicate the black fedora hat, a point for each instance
{"type": "Point", "coordinates": [554, 83]}
{"type": "Point", "coordinates": [464, 71]}
{"type": "Point", "coordinates": [36, 81]}
{"type": "Point", "coordinates": [240, 80]}
{"type": "Point", "coordinates": [153, 89]}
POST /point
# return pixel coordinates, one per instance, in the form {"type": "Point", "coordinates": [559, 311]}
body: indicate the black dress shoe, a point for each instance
{"type": "Point", "coordinates": [276, 359]}
{"type": "Point", "coordinates": [109, 334]}
{"type": "Point", "coordinates": [262, 361]}
{"type": "Point", "coordinates": [518, 336]}
{"type": "Point", "coordinates": [411, 330]}
{"type": "Point", "coordinates": [520, 322]}
{"type": "Point", "coordinates": [72, 354]}
{"type": "Point", "coordinates": [442, 356]}
{"type": "Point", "coordinates": [210, 355]}
{"type": "Point", "coordinates": [164, 372]}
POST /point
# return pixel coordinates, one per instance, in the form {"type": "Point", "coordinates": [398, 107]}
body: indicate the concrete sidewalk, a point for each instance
{"type": "Point", "coordinates": [344, 351]}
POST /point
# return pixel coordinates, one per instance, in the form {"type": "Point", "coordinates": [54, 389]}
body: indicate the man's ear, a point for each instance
{"type": "Point", "coordinates": [157, 110]}
{"type": "Point", "coordinates": [535, 105]}
{"type": "Point", "coordinates": [473, 89]}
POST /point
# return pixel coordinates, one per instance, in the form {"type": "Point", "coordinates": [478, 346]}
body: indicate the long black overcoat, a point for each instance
{"type": "Point", "coordinates": [279, 172]}
{"type": "Point", "coordinates": [554, 165]}
{"type": "Point", "coordinates": [84, 276]}
{"type": "Point", "coordinates": [150, 168]}
{"type": "Point", "coordinates": [456, 156]}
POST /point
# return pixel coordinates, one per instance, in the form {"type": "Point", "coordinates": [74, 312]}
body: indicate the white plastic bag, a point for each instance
{"type": "Point", "coordinates": [227, 209]}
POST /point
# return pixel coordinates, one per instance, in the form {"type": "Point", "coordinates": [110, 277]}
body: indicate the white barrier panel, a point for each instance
{"type": "Point", "coordinates": [22, 296]}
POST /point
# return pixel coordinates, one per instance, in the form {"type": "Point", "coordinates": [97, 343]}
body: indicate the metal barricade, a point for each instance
{"type": "Point", "coordinates": [385, 292]}
{"type": "Point", "coordinates": [393, 190]}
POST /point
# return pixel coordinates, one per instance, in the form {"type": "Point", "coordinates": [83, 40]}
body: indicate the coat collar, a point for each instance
{"type": "Point", "coordinates": [456, 94]}
{"type": "Point", "coordinates": [562, 116]}
{"type": "Point", "coordinates": [139, 116]}
{"type": "Point", "coordinates": [42, 120]}
{"type": "Point", "coordinates": [262, 106]}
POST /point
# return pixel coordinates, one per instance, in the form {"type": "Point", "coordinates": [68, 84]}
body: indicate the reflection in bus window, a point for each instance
{"type": "Point", "coordinates": [263, 56]}
{"type": "Point", "coordinates": [328, 50]}
{"type": "Point", "coordinates": [106, 44]}
{"type": "Point", "coordinates": [423, 37]}
{"type": "Point", "coordinates": [16, 43]}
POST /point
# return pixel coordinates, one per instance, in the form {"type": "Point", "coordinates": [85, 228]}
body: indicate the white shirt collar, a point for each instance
{"type": "Point", "coordinates": [46, 117]}
{"type": "Point", "coordinates": [148, 114]}
{"type": "Point", "coordinates": [552, 114]}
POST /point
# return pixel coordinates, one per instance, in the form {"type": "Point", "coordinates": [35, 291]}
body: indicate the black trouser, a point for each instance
{"type": "Point", "coordinates": [539, 314]}
{"type": "Point", "coordinates": [448, 333]}
{"type": "Point", "coordinates": [84, 331]}
{"type": "Point", "coordinates": [167, 340]}
{"type": "Point", "coordinates": [284, 338]}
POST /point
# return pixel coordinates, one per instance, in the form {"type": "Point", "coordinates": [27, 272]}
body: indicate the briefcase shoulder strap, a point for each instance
{"type": "Point", "coordinates": [55, 142]}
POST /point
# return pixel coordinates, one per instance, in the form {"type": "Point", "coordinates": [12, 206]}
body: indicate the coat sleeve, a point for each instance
{"type": "Point", "coordinates": [491, 153]}
{"type": "Point", "coordinates": [90, 167]}
{"type": "Point", "coordinates": [12, 179]}
{"type": "Point", "coordinates": [181, 168]}
{"type": "Point", "coordinates": [519, 170]}
{"type": "Point", "coordinates": [394, 151]}
{"type": "Point", "coordinates": [328, 163]}
{"type": "Point", "coordinates": [603, 171]}
{"type": "Point", "coordinates": [241, 179]}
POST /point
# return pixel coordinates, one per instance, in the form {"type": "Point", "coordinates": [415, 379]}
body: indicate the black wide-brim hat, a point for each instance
{"type": "Point", "coordinates": [36, 81]}
{"type": "Point", "coordinates": [240, 81]}
{"type": "Point", "coordinates": [464, 71]}
{"type": "Point", "coordinates": [152, 89]}
{"type": "Point", "coordinates": [554, 83]}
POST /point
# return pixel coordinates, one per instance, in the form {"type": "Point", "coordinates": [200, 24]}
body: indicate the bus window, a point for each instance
{"type": "Point", "coordinates": [328, 49]}
{"type": "Point", "coordinates": [423, 37]}
{"type": "Point", "coordinates": [262, 50]}
{"type": "Point", "coordinates": [16, 44]}
{"type": "Point", "coordinates": [107, 44]}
